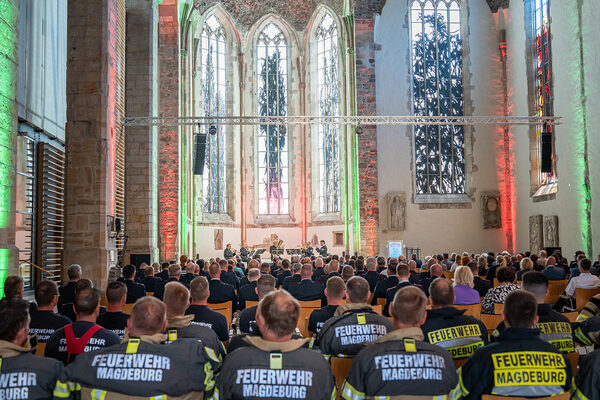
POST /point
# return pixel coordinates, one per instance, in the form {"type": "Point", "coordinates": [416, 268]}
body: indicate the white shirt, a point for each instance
{"type": "Point", "coordinates": [583, 281]}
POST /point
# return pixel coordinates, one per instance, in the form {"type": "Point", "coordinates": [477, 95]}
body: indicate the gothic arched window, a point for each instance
{"type": "Point", "coordinates": [213, 51]}
{"type": "Point", "coordinates": [273, 170]}
{"type": "Point", "coordinates": [437, 89]}
{"type": "Point", "coordinates": [329, 105]}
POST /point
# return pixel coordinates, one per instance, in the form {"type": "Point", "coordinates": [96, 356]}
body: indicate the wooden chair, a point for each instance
{"type": "Point", "coordinates": [310, 304]}
{"type": "Point", "coordinates": [471, 309]}
{"type": "Point", "coordinates": [555, 289]}
{"type": "Point", "coordinates": [381, 301]}
{"type": "Point", "coordinates": [582, 296]}
{"type": "Point", "coordinates": [460, 363]}
{"type": "Point", "coordinates": [150, 294]}
{"type": "Point", "coordinates": [562, 396]}
{"type": "Point", "coordinates": [251, 303]}
{"type": "Point", "coordinates": [39, 351]}
{"type": "Point", "coordinates": [378, 309]}
{"type": "Point", "coordinates": [491, 321]}
{"type": "Point", "coordinates": [370, 298]}
{"type": "Point", "coordinates": [302, 324]}
{"type": "Point", "coordinates": [571, 315]}
{"type": "Point", "coordinates": [223, 308]}
{"type": "Point", "coordinates": [127, 308]}
{"type": "Point", "coordinates": [498, 308]}
{"type": "Point", "coordinates": [448, 275]}
{"type": "Point", "coordinates": [496, 282]}
{"type": "Point", "coordinates": [340, 366]}
{"type": "Point", "coordinates": [573, 360]}
{"type": "Point", "coordinates": [104, 301]}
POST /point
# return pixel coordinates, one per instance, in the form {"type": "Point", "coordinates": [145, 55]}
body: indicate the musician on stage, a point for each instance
{"type": "Point", "coordinates": [245, 253]}
{"type": "Point", "coordinates": [228, 253]}
{"type": "Point", "coordinates": [322, 250]}
{"type": "Point", "coordinates": [308, 250]}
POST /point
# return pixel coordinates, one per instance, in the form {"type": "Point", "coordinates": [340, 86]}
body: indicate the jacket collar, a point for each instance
{"type": "Point", "coordinates": [181, 321]}
{"type": "Point", "coordinates": [518, 334]}
{"type": "Point", "coordinates": [157, 338]}
{"type": "Point", "coordinates": [352, 307]}
{"type": "Point", "coordinates": [8, 349]}
{"type": "Point", "coordinates": [444, 312]}
{"type": "Point", "coordinates": [544, 309]}
{"type": "Point", "coordinates": [284, 347]}
{"type": "Point", "coordinates": [404, 333]}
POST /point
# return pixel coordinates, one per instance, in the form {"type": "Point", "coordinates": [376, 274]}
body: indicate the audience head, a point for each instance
{"type": "Point", "coordinates": [176, 299]}
{"type": "Point", "coordinates": [408, 307]}
{"type": "Point", "coordinates": [277, 315]}
{"type": "Point", "coordinates": [550, 261]}
{"type": "Point", "coordinates": [458, 260]}
{"type": "Point", "coordinates": [13, 287]}
{"type": "Point", "coordinates": [306, 271]}
{"type": "Point", "coordinates": [265, 285]}
{"type": "Point", "coordinates": [464, 276]}
{"type": "Point", "coordinates": [347, 272]}
{"type": "Point", "coordinates": [265, 268]}
{"type": "Point", "coordinates": [214, 270]}
{"type": "Point", "coordinates": [585, 265]}
{"type": "Point", "coordinates": [190, 267]}
{"type": "Point", "coordinates": [116, 293]}
{"type": "Point", "coordinates": [149, 271]}
{"type": "Point", "coordinates": [296, 268]}
{"type": "Point", "coordinates": [506, 275]}
{"type": "Point", "coordinates": [402, 271]}
{"type": "Point", "coordinates": [371, 263]}
{"type": "Point", "coordinates": [83, 283]}
{"type": "Point", "coordinates": [74, 272]}
{"type": "Point", "coordinates": [536, 283]}
{"type": "Point", "coordinates": [391, 269]}
{"type": "Point", "coordinates": [526, 264]}
{"type": "Point", "coordinates": [183, 259]}
{"type": "Point", "coordinates": [223, 264]}
{"type": "Point", "coordinates": [87, 302]}
{"type": "Point", "coordinates": [46, 294]}
{"type": "Point", "coordinates": [436, 270]}
{"type": "Point", "coordinates": [335, 289]}
{"type": "Point", "coordinates": [319, 263]}
{"type": "Point", "coordinates": [199, 289]}
{"type": "Point", "coordinates": [520, 310]}
{"type": "Point", "coordinates": [148, 317]}
{"type": "Point", "coordinates": [14, 321]}
{"type": "Point", "coordinates": [357, 289]}
{"type": "Point", "coordinates": [174, 271]}
{"type": "Point", "coordinates": [129, 271]}
{"type": "Point", "coordinates": [500, 260]}
{"type": "Point", "coordinates": [334, 266]}
{"type": "Point", "coordinates": [253, 264]}
{"type": "Point", "coordinates": [253, 274]}
{"type": "Point", "coordinates": [441, 293]}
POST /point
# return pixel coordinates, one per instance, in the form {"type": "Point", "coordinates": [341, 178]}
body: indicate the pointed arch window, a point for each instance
{"type": "Point", "coordinates": [214, 96]}
{"type": "Point", "coordinates": [329, 105]}
{"type": "Point", "coordinates": [273, 170]}
{"type": "Point", "coordinates": [437, 89]}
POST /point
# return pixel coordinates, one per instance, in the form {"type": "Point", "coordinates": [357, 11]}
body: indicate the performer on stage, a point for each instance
{"type": "Point", "coordinates": [308, 250]}
{"type": "Point", "coordinates": [322, 250]}
{"type": "Point", "coordinates": [228, 253]}
{"type": "Point", "coordinates": [245, 252]}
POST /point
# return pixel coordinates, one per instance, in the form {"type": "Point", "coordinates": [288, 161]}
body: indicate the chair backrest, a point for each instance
{"type": "Point", "coordinates": [471, 309]}
{"type": "Point", "coordinates": [302, 324]}
{"type": "Point", "coordinates": [225, 308]}
{"type": "Point", "coordinates": [310, 304]}
{"type": "Point", "coordinates": [127, 308]}
{"type": "Point", "coordinates": [562, 396]}
{"type": "Point", "coordinates": [460, 363]}
{"type": "Point", "coordinates": [380, 301]}
{"type": "Point", "coordinates": [498, 308]}
{"type": "Point", "coordinates": [573, 360]}
{"type": "Point", "coordinates": [149, 293]}
{"type": "Point", "coordinates": [582, 296]}
{"type": "Point", "coordinates": [571, 315]}
{"type": "Point", "coordinates": [555, 289]}
{"type": "Point", "coordinates": [448, 275]}
{"type": "Point", "coordinates": [251, 303]}
{"type": "Point", "coordinates": [378, 309]}
{"type": "Point", "coordinates": [491, 321]}
{"type": "Point", "coordinates": [340, 366]}
{"type": "Point", "coordinates": [496, 282]}
{"type": "Point", "coordinates": [104, 301]}
{"type": "Point", "coordinates": [39, 351]}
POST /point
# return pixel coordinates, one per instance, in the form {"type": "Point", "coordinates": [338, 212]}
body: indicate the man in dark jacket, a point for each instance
{"type": "Point", "coordinates": [276, 354]}
{"type": "Point", "coordinates": [134, 290]}
{"type": "Point", "coordinates": [434, 272]}
{"type": "Point", "coordinates": [174, 276]}
{"type": "Point", "coordinates": [220, 292]}
{"type": "Point", "coordinates": [66, 293]}
{"type": "Point", "coordinates": [334, 292]}
{"type": "Point", "coordinates": [481, 285]}
{"type": "Point", "coordinates": [248, 292]}
{"type": "Point", "coordinates": [403, 274]}
{"type": "Point", "coordinates": [448, 327]}
{"type": "Point", "coordinates": [334, 270]}
{"type": "Point", "coordinates": [306, 289]}
{"type": "Point", "coordinates": [228, 276]}
{"type": "Point", "coordinates": [384, 284]}
{"type": "Point", "coordinates": [150, 281]}
{"type": "Point", "coordinates": [284, 273]}
{"type": "Point", "coordinates": [114, 319]}
{"type": "Point", "coordinates": [294, 279]}
{"type": "Point", "coordinates": [44, 321]}
{"type": "Point", "coordinates": [371, 275]}
{"type": "Point", "coordinates": [202, 314]}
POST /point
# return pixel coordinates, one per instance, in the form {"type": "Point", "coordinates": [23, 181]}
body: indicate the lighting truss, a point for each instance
{"type": "Point", "coordinates": [341, 120]}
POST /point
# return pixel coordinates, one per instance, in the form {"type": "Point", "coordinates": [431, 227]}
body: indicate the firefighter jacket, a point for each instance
{"type": "Point", "coordinates": [352, 326]}
{"type": "Point", "coordinates": [25, 376]}
{"type": "Point", "coordinates": [460, 334]}
{"type": "Point", "coordinates": [587, 380]}
{"type": "Point", "coordinates": [400, 364]}
{"type": "Point", "coordinates": [275, 370]}
{"type": "Point", "coordinates": [518, 364]}
{"type": "Point", "coordinates": [181, 327]}
{"type": "Point", "coordinates": [554, 328]}
{"type": "Point", "coordinates": [587, 328]}
{"type": "Point", "coordinates": [145, 367]}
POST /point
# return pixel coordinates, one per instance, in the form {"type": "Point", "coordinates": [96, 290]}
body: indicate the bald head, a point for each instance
{"type": "Point", "coordinates": [176, 299]}
{"type": "Point", "coordinates": [148, 317]}
{"type": "Point", "coordinates": [436, 270]}
{"type": "Point", "coordinates": [441, 293]}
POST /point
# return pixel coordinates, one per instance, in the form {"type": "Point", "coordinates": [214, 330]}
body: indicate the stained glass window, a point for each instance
{"type": "Point", "coordinates": [273, 186]}
{"type": "Point", "coordinates": [437, 89]}
{"type": "Point", "coordinates": [329, 105]}
{"type": "Point", "coordinates": [543, 76]}
{"type": "Point", "coordinates": [213, 104]}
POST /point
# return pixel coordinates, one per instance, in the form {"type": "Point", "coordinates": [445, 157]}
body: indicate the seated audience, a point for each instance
{"type": "Point", "coordinates": [114, 319]}
{"type": "Point", "coordinates": [83, 335]}
{"type": "Point", "coordinates": [202, 314]}
{"type": "Point", "coordinates": [190, 273]}
{"type": "Point", "coordinates": [68, 309]}
{"type": "Point", "coordinates": [335, 291]}
{"type": "Point", "coordinates": [463, 287]}
{"type": "Point", "coordinates": [526, 266]}
{"type": "Point", "coordinates": [347, 272]}
{"type": "Point", "coordinates": [14, 288]}
{"type": "Point", "coordinates": [66, 293]}
{"type": "Point", "coordinates": [553, 271]}
{"type": "Point", "coordinates": [384, 284]}
{"type": "Point", "coordinates": [264, 285]}
{"type": "Point", "coordinates": [506, 277]}
{"type": "Point", "coordinates": [44, 321]}
{"type": "Point", "coordinates": [519, 363]}
{"type": "Point", "coordinates": [371, 274]}
{"type": "Point", "coordinates": [585, 280]}
{"type": "Point", "coordinates": [403, 274]}
{"type": "Point", "coordinates": [177, 300]}
{"type": "Point", "coordinates": [227, 275]}
{"type": "Point", "coordinates": [150, 281]}
{"type": "Point", "coordinates": [435, 271]}
{"type": "Point", "coordinates": [306, 289]}
{"type": "Point", "coordinates": [481, 285]}
{"type": "Point", "coordinates": [220, 292]}
{"type": "Point", "coordinates": [174, 271]}
{"type": "Point", "coordinates": [319, 270]}
{"type": "Point", "coordinates": [183, 369]}
{"type": "Point", "coordinates": [164, 273]}
{"type": "Point", "coordinates": [339, 334]}
{"type": "Point", "coordinates": [134, 290]}
{"type": "Point", "coordinates": [25, 376]}
{"type": "Point", "coordinates": [333, 270]}
{"type": "Point", "coordinates": [378, 371]}
{"type": "Point", "coordinates": [276, 353]}
{"type": "Point", "coordinates": [248, 291]}
{"type": "Point", "coordinates": [284, 273]}
{"type": "Point", "coordinates": [293, 279]}
{"type": "Point", "coordinates": [449, 327]}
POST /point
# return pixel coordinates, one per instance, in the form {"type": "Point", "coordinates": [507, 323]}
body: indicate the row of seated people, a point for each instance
{"type": "Point", "coordinates": [412, 354]}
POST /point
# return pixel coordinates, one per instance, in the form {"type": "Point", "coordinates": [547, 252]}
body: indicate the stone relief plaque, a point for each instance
{"type": "Point", "coordinates": [551, 231]}
{"type": "Point", "coordinates": [490, 210]}
{"type": "Point", "coordinates": [536, 238]}
{"type": "Point", "coordinates": [396, 213]}
{"type": "Point", "coordinates": [218, 239]}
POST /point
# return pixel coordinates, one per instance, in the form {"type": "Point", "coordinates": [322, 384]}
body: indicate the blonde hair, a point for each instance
{"type": "Point", "coordinates": [501, 261]}
{"type": "Point", "coordinates": [526, 264]}
{"type": "Point", "coordinates": [463, 276]}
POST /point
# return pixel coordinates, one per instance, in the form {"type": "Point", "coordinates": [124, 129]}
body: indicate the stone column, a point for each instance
{"type": "Point", "coordinates": [95, 68]}
{"type": "Point", "coordinates": [9, 44]}
{"type": "Point", "coordinates": [141, 143]}
{"type": "Point", "coordinates": [168, 159]}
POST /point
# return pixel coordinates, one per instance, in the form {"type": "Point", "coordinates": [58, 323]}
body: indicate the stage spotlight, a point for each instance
{"type": "Point", "coordinates": [358, 129]}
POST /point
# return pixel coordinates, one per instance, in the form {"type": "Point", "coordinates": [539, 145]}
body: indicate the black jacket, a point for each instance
{"type": "Point", "coordinates": [291, 280]}
{"type": "Point", "coordinates": [134, 291]}
{"type": "Point", "coordinates": [160, 289]}
{"type": "Point", "coordinates": [460, 334]}
{"type": "Point", "coordinates": [265, 369]}
{"type": "Point", "coordinates": [116, 322]}
{"type": "Point", "coordinates": [519, 355]}
{"type": "Point", "coordinates": [221, 292]}
{"type": "Point", "coordinates": [282, 275]}
{"type": "Point", "coordinates": [45, 323]}
{"type": "Point", "coordinates": [230, 278]}
{"type": "Point", "coordinates": [188, 278]}
{"type": "Point", "coordinates": [66, 294]}
{"type": "Point", "coordinates": [324, 278]}
{"type": "Point", "coordinates": [317, 274]}
{"type": "Point", "coordinates": [481, 285]}
{"type": "Point", "coordinates": [587, 381]}
{"type": "Point", "coordinates": [307, 290]}
{"type": "Point", "coordinates": [181, 327]}
{"type": "Point", "coordinates": [247, 292]}
{"type": "Point", "coordinates": [382, 287]}
{"type": "Point", "coordinates": [206, 317]}
{"type": "Point", "coordinates": [151, 282]}
{"type": "Point", "coordinates": [381, 369]}
{"type": "Point", "coordinates": [389, 296]}
{"type": "Point", "coordinates": [372, 277]}
{"type": "Point", "coordinates": [318, 317]}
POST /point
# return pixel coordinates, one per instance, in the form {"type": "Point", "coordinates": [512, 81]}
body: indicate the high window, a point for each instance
{"type": "Point", "coordinates": [329, 105]}
{"type": "Point", "coordinates": [273, 170]}
{"type": "Point", "coordinates": [214, 104]}
{"type": "Point", "coordinates": [437, 89]}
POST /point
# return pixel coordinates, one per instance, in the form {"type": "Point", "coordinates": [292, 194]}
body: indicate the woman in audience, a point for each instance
{"type": "Point", "coordinates": [457, 263]}
{"type": "Point", "coordinates": [526, 265]}
{"type": "Point", "coordinates": [506, 279]}
{"type": "Point", "coordinates": [482, 265]}
{"type": "Point", "coordinates": [463, 287]}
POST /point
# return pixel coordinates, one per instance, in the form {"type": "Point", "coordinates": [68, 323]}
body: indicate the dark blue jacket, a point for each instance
{"type": "Point", "coordinates": [307, 290]}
